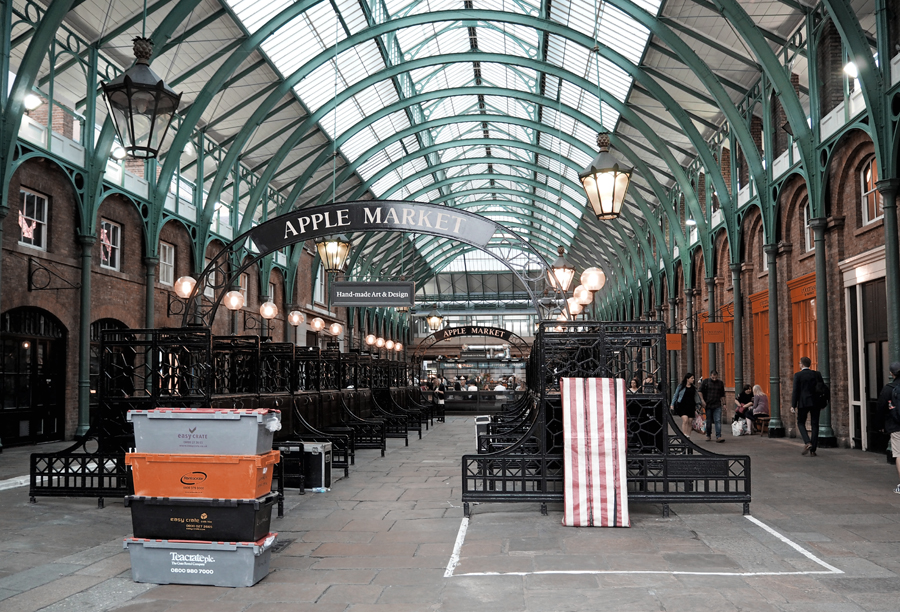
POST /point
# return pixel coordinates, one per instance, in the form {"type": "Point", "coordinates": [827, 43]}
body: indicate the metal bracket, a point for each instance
{"type": "Point", "coordinates": [40, 277]}
{"type": "Point", "coordinates": [252, 321]}
{"type": "Point", "coordinates": [175, 306]}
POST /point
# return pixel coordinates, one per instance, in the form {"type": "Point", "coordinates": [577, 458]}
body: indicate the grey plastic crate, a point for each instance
{"type": "Point", "coordinates": [226, 564]}
{"type": "Point", "coordinates": [204, 431]}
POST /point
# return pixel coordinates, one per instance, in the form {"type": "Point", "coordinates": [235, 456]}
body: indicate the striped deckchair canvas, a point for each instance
{"type": "Point", "coordinates": [594, 446]}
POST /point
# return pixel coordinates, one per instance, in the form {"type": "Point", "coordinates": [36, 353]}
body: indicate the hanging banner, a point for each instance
{"type": "Point", "coordinates": [377, 294]}
{"type": "Point", "coordinates": [673, 342]}
{"type": "Point", "coordinates": [367, 216]}
{"type": "Point", "coordinates": [714, 333]}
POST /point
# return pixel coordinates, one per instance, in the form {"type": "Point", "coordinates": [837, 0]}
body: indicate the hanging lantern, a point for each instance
{"type": "Point", "coordinates": [140, 104]}
{"type": "Point", "coordinates": [605, 181]}
{"type": "Point", "coordinates": [333, 251]}
{"type": "Point", "coordinates": [435, 319]}
{"type": "Point", "coordinates": [234, 300]}
{"type": "Point", "coordinates": [335, 329]}
{"type": "Point", "coordinates": [184, 286]}
{"type": "Point", "coordinates": [562, 272]}
{"type": "Point", "coordinates": [593, 279]}
{"type": "Point", "coordinates": [317, 324]}
{"type": "Point", "coordinates": [268, 310]}
{"type": "Point", "coordinates": [295, 317]}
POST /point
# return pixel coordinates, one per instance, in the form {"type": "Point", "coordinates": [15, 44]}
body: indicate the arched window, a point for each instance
{"type": "Point", "coordinates": [807, 228]}
{"type": "Point", "coordinates": [872, 204]}
{"type": "Point", "coordinates": [319, 288]}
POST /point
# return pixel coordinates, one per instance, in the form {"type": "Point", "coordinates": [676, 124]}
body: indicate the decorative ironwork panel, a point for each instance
{"type": "Point", "coordinates": [236, 360]}
{"type": "Point", "coordinates": [306, 368]}
{"type": "Point", "coordinates": [330, 371]}
{"type": "Point", "coordinates": [349, 364]}
{"type": "Point", "coordinates": [381, 375]}
{"type": "Point", "coordinates": [276, 361]}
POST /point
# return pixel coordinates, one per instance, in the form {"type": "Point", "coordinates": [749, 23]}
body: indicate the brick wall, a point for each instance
{"type": "Point", "coordinates": [830, 66]}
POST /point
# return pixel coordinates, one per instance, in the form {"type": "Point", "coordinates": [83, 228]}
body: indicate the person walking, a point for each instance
{"type": "Point", "coordinates": [889, 416]}
{"type": "Point", "coordinates": [713, 392]}
{"type": "Point", "coordinates": [685, 402]}
{"type": "Point", "coordinates": [804, 403]}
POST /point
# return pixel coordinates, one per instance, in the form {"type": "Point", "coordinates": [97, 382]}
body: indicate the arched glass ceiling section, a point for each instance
{"type": "Point", "coordinates": [323, 25]}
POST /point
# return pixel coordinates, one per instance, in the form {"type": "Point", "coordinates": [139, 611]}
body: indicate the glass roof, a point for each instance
{"type": "Point", "coordinates": [527, 134]}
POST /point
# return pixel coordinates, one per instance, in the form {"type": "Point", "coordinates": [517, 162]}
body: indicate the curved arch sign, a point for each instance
{"type": "Point", "coordinates": [222, 272]}
{"type": "Point", "coordinates": [475, 330]}
{"type": "Point", "coordinates": [370, 216]}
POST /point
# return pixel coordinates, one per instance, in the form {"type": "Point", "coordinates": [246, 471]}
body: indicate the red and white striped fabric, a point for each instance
{"type": "Point", "coordinates": [594, 445]}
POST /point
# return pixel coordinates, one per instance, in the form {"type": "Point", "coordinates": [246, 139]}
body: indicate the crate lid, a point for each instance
{"type": "Point", "coordinates": [262, 460]}
{"type": "Point", "coordinates": [259, 546]}
{"type": "Point", "coordinates": [205, 413]}
{"type": "Point", "coordinates": [267, 499]}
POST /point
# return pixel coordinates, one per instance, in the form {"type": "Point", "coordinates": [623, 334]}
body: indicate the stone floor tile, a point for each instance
{"type": "Point", "coordinates": [351, 593]}
{"type": "Point", "coordinates": [337, 549]}
{"type": "Point", "coordinates": [49, 593]}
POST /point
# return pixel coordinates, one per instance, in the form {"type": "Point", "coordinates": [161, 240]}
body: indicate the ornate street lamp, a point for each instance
{"type": "Point", "coordinates": [140, 104]}
{"type": "Point", "coordinates": [370, 339]}
{"type": "Point", "coordinates": [234, 300]}
{"type": "Point", "coordinates": [335, 329]}
{"type": "Point", "coordinates": [435, 319]}
{"type": "Point", "coordinates": [268, 310]}
{"type": "Point", "coordinates": [389, 345]}
{"type": "Point", "coordinates": [593, 279]}
{"type": "Point", "coordinates": [562, 272]}
{"type": "Point", "coordinates": [605, 181]}
{"type": "Point", "coordinates": [317, 324]}
{"type": "Point", "coordinates": [575, 307]}
{"type": "Point", "coordinates": [295, 318]}
{"type": "Point", "coordinates": [333, 252]}
{"type": "Point", "coordinates": [184, 286]}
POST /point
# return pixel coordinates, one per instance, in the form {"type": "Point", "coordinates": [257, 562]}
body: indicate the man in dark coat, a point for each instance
{"type": "Point", "coordinates": [803, 402]}
{"type": "Point", "coordinates": [885, 409]}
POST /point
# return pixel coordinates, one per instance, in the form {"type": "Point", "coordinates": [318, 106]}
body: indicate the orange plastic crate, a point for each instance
{"type": "Point", "coordinates": [215, 476]}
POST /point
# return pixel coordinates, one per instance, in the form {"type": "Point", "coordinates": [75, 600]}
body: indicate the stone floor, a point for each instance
{"type": "Point", "coordinates": [824, 535]}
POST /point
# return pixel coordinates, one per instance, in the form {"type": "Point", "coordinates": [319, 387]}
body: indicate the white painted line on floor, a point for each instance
{"type": "Point", "coordinates": [460, 538]}
{"type": "Point", "coordinates": [14, 483]}
{"type": "Point", "coordinates": [830, 569]}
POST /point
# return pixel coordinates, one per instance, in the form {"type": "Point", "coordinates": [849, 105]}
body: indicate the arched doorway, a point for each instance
{"type": "Point", "coordinates": [33, 373]}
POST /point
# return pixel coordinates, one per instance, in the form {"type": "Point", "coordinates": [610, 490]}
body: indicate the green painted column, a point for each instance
{"type": "Point", "coordinates": [888, 189]}
{"type": "Point", "coordinates": [84, 336]}
{"type": "Point", "coordinates": [823, 353]}
{"type": "Point", "coordinates": [150, 315]}
{"type": "Point", "coordinates": [3, 212]}
{"type": "Point", "coordinates": [711, 316]}
{"type": "Point", "coordinates": [673, 355]}
{"type": "Point", "coordinates": [689, 318]}
{"type": "Point", "coordinates": [776, 427]}
{"type": "Point", "coordinates": [738, 327]}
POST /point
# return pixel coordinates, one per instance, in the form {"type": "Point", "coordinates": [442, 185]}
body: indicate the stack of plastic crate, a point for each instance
{"type": "Point", "coordinates": [202, 502]}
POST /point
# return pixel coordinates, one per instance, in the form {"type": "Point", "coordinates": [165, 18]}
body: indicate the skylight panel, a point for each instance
{"type": "Point", "coordinates": [494, 39]}
{"type": "Point", "coordinates": [450, 132]}
{"type": "Point", "coordinates": [358, 144]}
{"type": "Point", "coordinates": [352, 15]}
{"type": "Point", "coordinates": [254, 14]}
{"type": "Point", "coordinates": [511, 106]}
{"type": "Point", "coordinates": [450, 107]}
{"type": "Point", "coordinates": [502, 75]}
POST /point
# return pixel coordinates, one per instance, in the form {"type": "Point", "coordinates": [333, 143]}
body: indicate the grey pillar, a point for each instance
{"type": "Point", "coordinates": [150, 315]}
{"type": "Point", "coordinates": [738, 327]}
{"type": "Point", "coordinates": [673, 355]}
{"type": "Point", "coordinates": [888, 189]}
{"type": "Point", "coordinates": [823, 354]}
{"type": "Point", "coordinates": [689, 319]}
{"type": "Point", "coordinates": [711, 316]}
{"type": "Point", "coordinates": [776, 427]}
{"type": "Point", "coordinates": [84, 337]}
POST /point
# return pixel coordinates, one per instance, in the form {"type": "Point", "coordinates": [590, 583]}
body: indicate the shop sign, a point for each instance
{"type": "Point", "coordinates": [376, 294]}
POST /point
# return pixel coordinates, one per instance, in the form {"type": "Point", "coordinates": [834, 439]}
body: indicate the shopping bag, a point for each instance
{"type": "Point", "coordinates": [737, 428]}
{"type": "Point", "coordinates": [699, 424]}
